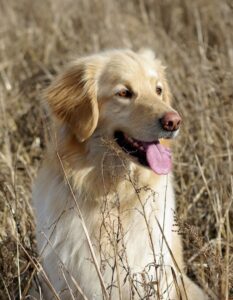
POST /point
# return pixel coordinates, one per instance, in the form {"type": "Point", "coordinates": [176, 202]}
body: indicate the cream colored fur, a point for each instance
{"type": "Point", "coordinates": [121, 201]}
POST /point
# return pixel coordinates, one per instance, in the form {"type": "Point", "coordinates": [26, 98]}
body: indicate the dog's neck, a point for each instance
{"type": "Point", "coordinates": [96, 163]}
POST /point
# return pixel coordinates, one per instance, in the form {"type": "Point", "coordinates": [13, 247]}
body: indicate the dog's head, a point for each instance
{"type": "Point", "coordinates": [121, 95]}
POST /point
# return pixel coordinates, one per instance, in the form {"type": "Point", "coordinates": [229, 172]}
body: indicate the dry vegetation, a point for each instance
{"type": "Point", "coordinates": [195, 41]}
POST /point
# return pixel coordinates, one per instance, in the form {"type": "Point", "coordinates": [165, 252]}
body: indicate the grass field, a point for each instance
{"type": "Point", "coordinates": [195, 40]}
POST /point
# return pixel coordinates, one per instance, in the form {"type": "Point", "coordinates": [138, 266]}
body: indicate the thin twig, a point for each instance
{"type": "Point", "coordinates": [85, 231]}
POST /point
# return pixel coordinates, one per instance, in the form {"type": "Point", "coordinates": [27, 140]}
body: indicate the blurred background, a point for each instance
{"type": "Point", "coordinates": [194, 39]}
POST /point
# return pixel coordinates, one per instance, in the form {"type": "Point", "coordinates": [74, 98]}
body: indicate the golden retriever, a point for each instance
{"type": "Point", "coordinates": [104, 199]}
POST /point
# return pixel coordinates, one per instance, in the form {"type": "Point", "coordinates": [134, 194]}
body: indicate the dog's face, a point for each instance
{"type": "Point", "coordinates": [123, 96]}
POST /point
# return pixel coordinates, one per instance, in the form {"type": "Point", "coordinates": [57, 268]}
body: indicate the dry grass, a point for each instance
{"type": "Point", "coordinates": [195, 41]}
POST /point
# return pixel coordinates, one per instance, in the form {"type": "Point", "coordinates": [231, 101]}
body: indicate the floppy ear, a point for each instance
{"type": "Point", "coordinates": [147, 53]}
{"type": "Point", "coordinates": [73, 98]}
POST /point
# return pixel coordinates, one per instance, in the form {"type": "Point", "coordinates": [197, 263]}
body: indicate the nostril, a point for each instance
{"type": "Point", "coordinates": [170, 124]}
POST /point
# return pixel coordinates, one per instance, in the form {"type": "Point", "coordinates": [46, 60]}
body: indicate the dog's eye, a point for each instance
{"type": "Point", "coordinates": [124, 93]}
{"type": "Point", "coordinates": [159, 90]}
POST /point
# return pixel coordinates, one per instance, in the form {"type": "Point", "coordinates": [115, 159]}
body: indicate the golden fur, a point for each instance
{"type": "Point", "coordinates": [121, 202]}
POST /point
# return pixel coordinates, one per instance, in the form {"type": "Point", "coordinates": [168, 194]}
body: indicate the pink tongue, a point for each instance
{"type": "Point", "coordinates": [158, 158]}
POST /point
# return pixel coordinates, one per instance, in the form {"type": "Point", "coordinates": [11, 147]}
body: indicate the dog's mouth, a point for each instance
{"type": "Point", "coordinates": [148, 154]}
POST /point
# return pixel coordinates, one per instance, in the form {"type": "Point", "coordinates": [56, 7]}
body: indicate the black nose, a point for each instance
{"type": "Point", "coordinates": [170, 121]}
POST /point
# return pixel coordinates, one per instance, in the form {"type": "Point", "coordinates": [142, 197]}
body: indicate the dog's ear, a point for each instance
{"type": "Point", "coordinates": [72, 97]}
{"type": "Point", "coordinates": [147, 53]}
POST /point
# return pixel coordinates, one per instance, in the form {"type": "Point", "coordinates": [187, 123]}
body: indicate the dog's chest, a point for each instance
{"type": "Point", "coordinates": [128, 233]}
{"type": "Point", "coordinates": [123, 230]}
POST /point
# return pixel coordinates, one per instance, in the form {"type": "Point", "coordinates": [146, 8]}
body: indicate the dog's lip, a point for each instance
{"type": "Point", "coordinates": [132, 147]}
{"type": "Point", "coordinates": [133, 140]}
{"type": "Point", "coordinates": [149, 154]}
{"type": "Point", "coordinates": [140, 144]}
{"type": "Point", "coordinates": [143, 142]}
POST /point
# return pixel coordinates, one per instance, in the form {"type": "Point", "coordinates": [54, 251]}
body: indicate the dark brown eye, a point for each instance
{"type": "Point", "coordinates": [124, 93]}
{"type": "Point", "coordinates": [159, 90]}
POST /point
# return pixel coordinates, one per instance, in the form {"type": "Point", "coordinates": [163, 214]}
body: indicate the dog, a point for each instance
{"type": "Point", "coordinates": [104, 199]}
